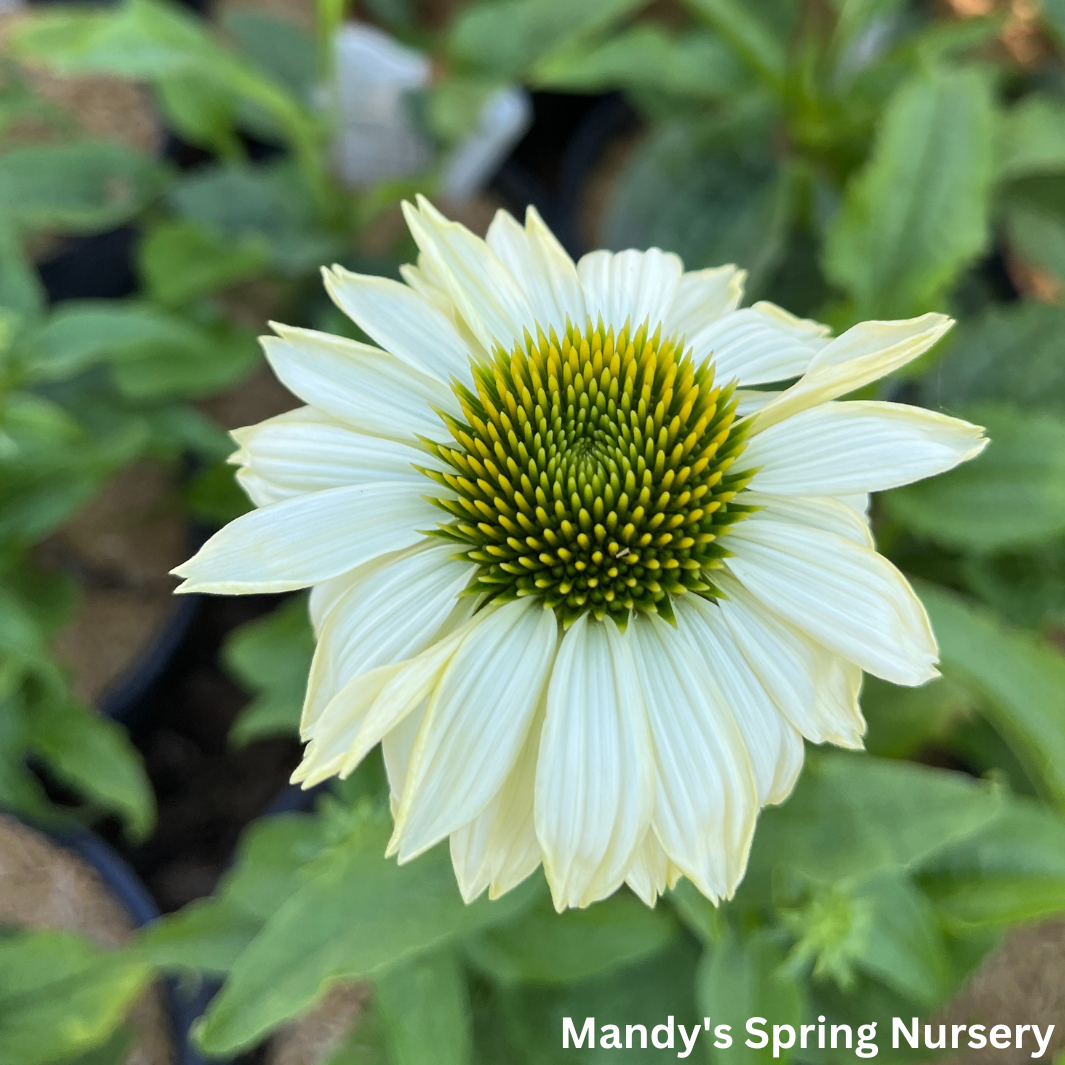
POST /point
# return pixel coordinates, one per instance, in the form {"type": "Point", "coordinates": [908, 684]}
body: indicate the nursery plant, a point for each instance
{"type": "Point", "coordinates": [864, 162]}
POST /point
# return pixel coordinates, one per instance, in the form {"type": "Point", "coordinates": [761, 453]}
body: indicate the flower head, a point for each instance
{"type": "Point", "coordinates": [582, 574]}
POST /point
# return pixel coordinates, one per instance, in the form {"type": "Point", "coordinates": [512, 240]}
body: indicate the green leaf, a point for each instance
{"type": "Point", "coordinates": [214, 497]}
{"type": "Point", "coordinates": [453, 106]}
{"type": "Point", "coordinates": [150, 40]}
{"type": "Point", "coordinates": [1031, 138]}
{"type": "Point", "coordinates": [84, 333]}
{"type": "Point", "coordinates": [506, 37]}
{"type": "Point", "coordinates": [1020, 676]}
{"type": "Point", "coordinates": [1054, 17]}
{"type": "Point", "coordinates": [206, 936]}
{"type": "Point", "coordinates": [94, 755]}
{"type": "Point", "coordinates": [917, 213]}
{"type": "Point", "coordinates": [1035, 224]}
{"type": "Point", "coordinates": [283, 56]}
{"type": "Point", "coordinates": [695, 65]}
{"type": "Point", "coordinates": [21, 290]}
{"type": "Point", "coordinates": [154, 354]}
{"type": "Point", "coordinates": [179, 430]}
{"type": "Point", "coordinates": [903, 945]}
{"type": "Point", "coordinates": [271, 657]}
{"type": "Point", "coordinates": [47, 480]}
{"type": "Point", "coordinates": [395, 14]}
{"type": "Point", "coordinates": [216, 359]}
{"type": "Point", "coordinates": [145, 40]}
{"type": "Point", "coordinates": [138, 39]}
{"type": "Point", "coordinates": [357, 913]}
{"type": "Point", "coordinates": [202, 113]}
{"type": "Point", "coordinates": [741, 978]}
{"type": "Point", "coordinates": [903, 720]}
{"type": "Point", "coordinates": [868, 1002]}
{"type": "Point", "coordinates": [847, 928]}
{"type": "Point", "coordinates": [1012, 352]}
{"type": "Point", "coordinates": [60, 994]}
{"type": "Point", "coordinates": [238, 203]}
{"type": "Point", "coordinates": [852, 816]}
{"type": "Point", "coordinates": [856, 15]}
{"type": "Point", "coordinates": [981, 749]}
{"type": "Point", "coordinates": [365, 1044]}
{"type": "Point", "coordinates": [77, 187]}
{"type": "Point", "coordinates": [703, 198]}
{"type": "Point", "coordinates": [277, 47]}
{"type": "Point", "coordinates": [210, 935]}
{"type": "Point", "coordinates": [424, 1005]}
{"type": "Point", "coordinates": [643, 994]}
{"type": "Point", "coordinates": [760, 41]}
{"type": "Point", "coordinates": [1012, 870]}
{"type": "Point", "coordinates": [1010, 496]}
{"type": "Point", "coordinates": [1025, 588]}
{"type": "Point", "coordinates": [543, 947]}
{"type": "Point", "coordinates": [20, 789]}
{"type": "Point", "coordinates": [115, 1051]}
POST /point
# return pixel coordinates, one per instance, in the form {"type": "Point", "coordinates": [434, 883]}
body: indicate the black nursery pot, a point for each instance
{"type": "Point", "coordinates": [126, 699]}
{"type": "Point", "coordinates": [552, 162]}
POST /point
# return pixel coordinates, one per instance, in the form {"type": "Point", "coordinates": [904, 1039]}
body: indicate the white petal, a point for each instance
{"type": "Point", "coordinates": [858, 503]}
{"type": "Point", "coordinates": [392, 614]}
{"type": "Point", "coordinates": [307, 451]}
{"type": "Point", "coordinates": [414, 682]}
{"type": "Point", "coordinates": [752, 400]}
{"type": "Point", "coordinates": [860, 446]}
{"type": "Point", "coordinates": [542, 268]}
{"type": "Point", "coordinates": [759, 344]}
{"type": "Point", "coordinates": [864, 353]}
{"type": "Point", "coordinates": [477, 721]}
{"type": "Point", "coordinates": [652, 872]}
{"type": "Point", "coordinates": [702, 297]}
{"type": "Point", "coordinates": [773, 744]}
{"type": "Point", "coordinates": [498, 849]}
{"type": "Point", "coordinates": [308, 539]}
{"type": "Point", "coordinates": [427, 283]}
{"type": "Point", "coordinates": [594, 777]}
{"type": "Point", "coordinates": [630, 286]}
{"type": "Point", "coordinates": [706, 800]}
{"type": "Point", "coordinates": [325, 596]}
{"type": "Point", "coordinates": [401, 321]}
{"type": "Point", "coordinates": [365, 387]}
{"type": "Point", "coordinates": [371, 705]}
{"type": "Point", "coordinates": [817, 512]}
{"type": "Point", "coordinates": [340, 724]}
{"type": "Point", "coordinates": [848, 597]}
{"type": "Point", "coordinates": [396, 747]}
{"type": "Point", "coordinates": [482, 289]}
{"type": "Point", "coordinates": [814, 689]}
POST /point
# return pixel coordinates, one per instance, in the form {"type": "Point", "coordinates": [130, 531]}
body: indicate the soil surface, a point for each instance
{"type": "Point", "coordinates": [1023, 982]}
{"type": "Point", "coordinates": [317, 1035]}
{"type": "Point", "coordinates": [120, 548]}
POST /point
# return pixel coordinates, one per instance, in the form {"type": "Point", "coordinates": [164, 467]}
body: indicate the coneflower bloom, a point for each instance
{"type": "Point", "coordinates": [587, 551]}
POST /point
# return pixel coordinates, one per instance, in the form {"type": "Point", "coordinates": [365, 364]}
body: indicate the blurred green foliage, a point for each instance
{"type": "Point", "coordinates": [860, 158]}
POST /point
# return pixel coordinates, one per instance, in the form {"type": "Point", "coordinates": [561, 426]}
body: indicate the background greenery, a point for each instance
{"type": "Point", "coordinates": [862, 159]}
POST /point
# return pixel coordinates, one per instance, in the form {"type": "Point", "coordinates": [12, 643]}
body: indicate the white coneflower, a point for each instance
{"type": "Point", "coordinates": [587, 588]}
